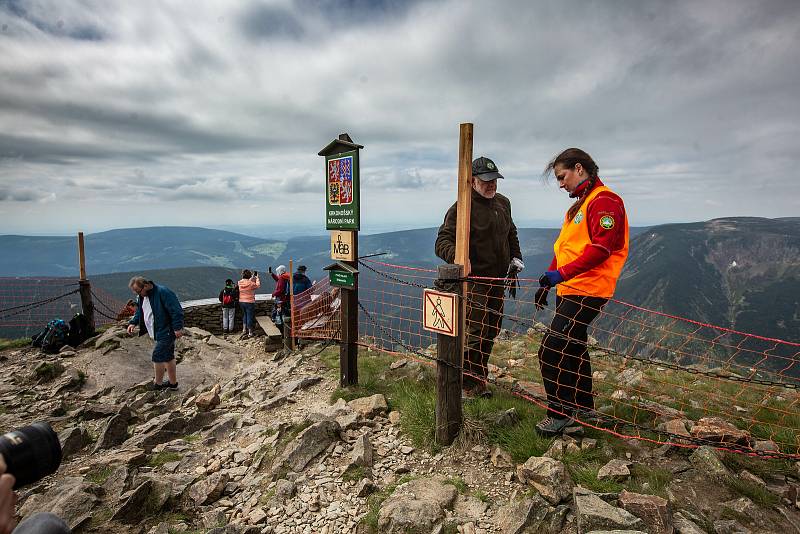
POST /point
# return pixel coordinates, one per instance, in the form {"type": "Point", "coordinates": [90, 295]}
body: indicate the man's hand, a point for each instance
{"type": "Point", "coordinates": [179, 333]}
{"type": "Point", "coordinates": [8, 499]}
{"type": "Point", "coordinates": [131, 328]}
{"type": "Point", "coordinates": [541, 298]}
{"type": "Point", "coordinates": [516, 265]}
{"type": "Point", "coordinates": [550, 279]}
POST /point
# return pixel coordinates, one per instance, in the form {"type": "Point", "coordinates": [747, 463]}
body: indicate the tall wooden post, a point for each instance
{"type": "Point", "coordinates": [85, 288]}
{"type": "Point", "coordinates": [463, 214]}
{"type": "Point", "coordinates": [348, 350]}
{"type": "Point", "coordinates": [449, 374]}
{"type": "Point", "coordinates": [448, 367]}
{"type": "Point", "coordinates": [342, 212]}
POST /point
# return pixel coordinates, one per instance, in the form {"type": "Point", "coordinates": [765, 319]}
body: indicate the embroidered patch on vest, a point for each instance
{"type": "Point", "coordinates": [578, 218]}
{"type": "Point", "coordinates": [607, 222]}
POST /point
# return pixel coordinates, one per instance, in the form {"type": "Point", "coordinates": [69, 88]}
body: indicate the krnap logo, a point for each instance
{"type": "Point", "coordinates": [607, 222]}
{"type": "Point", "coordinates": [578, 218]}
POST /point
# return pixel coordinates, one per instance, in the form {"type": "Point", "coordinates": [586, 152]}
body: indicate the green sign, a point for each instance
{"type": "Point", "coordinates": [342, 191]}
{"type": "Point", "coordinates": [342, 279]}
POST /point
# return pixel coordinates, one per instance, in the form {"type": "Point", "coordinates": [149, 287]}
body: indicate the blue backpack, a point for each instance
{"type": "Point", "coordinates": [53, 337]}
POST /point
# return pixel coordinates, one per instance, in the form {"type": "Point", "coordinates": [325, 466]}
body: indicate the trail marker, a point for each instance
{"type": "Point", "coordinates": [342, 245]}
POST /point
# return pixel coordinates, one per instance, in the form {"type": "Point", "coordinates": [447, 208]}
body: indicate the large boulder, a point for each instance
{"type": "Point", "coordinates": [616, 470]}
{"type": "Point", "coordinates": [706, 459]}
{"type": "Point", "coordinates": [114, 433]}
{"type": "Point", "coordinates": [653, 510]}
{"type": "Point", "coordinates": [73, 440]}
{"type": "Point", "coordinates": [718, 430]}
{"type": "Point", "coordinates": [370, 406]}
{"type": "Point", "coordinates": [596, 514]}
{"type": "Point", "coordinates": [548, 476]}
{"type": "Point", "coordinates": [305, 447]}
{"type": "Point", "coordinates": [208, 400]}
{"type": "Point", "coordinates": [208, 490]}
{"type": "Point", "coordinates": [72, 499]}
{"type": "Point", "coordinates": [531, 515]}
{"type": "Point", "coordinates": [416, 506]}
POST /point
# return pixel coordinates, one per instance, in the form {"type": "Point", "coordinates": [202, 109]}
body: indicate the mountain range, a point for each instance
{"type": "Point", "coordinates": [739, 272]}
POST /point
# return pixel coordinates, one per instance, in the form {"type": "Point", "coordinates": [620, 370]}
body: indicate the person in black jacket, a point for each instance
{"type": "Point", "coordinates": [229, 297]}
{"type": "Point", "coordinates": [493, 252]}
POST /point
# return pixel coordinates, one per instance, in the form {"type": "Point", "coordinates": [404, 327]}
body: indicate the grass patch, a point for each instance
{"type": "Point", "coordinates": [47, 371]}
{"type": "Point", "coordinates": [100, 515]}
{"type": "Point", "coordinates": [459, 484]}
{"type": "Point", "coordinates": [417, 402]}
{"type": "Point", "coordinates": [191, 438]}
{"type": "Point", "coordinates": [482, 496]}
{"type": "Point", "coordinates": [755, 492]}
{"type": "Point", "coordinates": [355, 473]}
{"type": "Point", "coordinates": [99, 475]}
{"type": "Point", "coordinates": [16, 343]}
{"type": "Point", "coordinates": [655, 478]}
{"type": "Point", "coordinates": [763, 467]}
{"type": "Point", "coordinates": [161, 458]}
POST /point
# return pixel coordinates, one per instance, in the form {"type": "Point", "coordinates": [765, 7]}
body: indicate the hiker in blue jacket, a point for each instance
{"type": "Point", "coordinates": [159, 314]}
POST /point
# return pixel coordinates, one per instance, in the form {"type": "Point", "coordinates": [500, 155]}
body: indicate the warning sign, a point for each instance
{"type": "Point", "coordinates": [439, 312]}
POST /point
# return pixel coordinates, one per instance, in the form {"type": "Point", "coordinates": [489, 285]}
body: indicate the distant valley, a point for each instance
{"type": "Point", "coordinates": [742, 273]}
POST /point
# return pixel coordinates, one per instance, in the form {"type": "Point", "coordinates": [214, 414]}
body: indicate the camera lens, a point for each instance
{"type": "Point", "coordinates": [31, 453]}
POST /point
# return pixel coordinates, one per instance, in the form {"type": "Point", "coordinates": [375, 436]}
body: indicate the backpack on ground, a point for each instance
{"type": "Point", "coordinates": [53, 337]}
{"type": "Point", "coordinates": [80, 329]}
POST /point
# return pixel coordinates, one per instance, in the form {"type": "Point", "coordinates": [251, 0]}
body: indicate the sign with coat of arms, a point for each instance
{"type": "Point", "coordinates": [342, 191]}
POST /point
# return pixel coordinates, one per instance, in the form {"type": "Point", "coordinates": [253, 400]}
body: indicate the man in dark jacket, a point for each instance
{"type": "Point", "coordinates": [159, 314]}
{"type": "Point", "coordinates": [493, 252]}
{"type": "Point", "coordinates": [300, 284]}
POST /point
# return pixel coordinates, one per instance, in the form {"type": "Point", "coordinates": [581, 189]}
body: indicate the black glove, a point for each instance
{"type": "Point", "coordinates": [541, 298]}
{"type": "Point", "coordinates": [255, 273]}
{"type": "Point", "coordinates": [512, 283]}
{"type": "Point", "coordinates": [270, 269]}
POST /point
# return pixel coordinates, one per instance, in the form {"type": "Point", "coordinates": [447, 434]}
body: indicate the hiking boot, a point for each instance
{"type": "Point", "coordinates": [172, 387]}
{"type": "Point", "coordinates": [552, 426]}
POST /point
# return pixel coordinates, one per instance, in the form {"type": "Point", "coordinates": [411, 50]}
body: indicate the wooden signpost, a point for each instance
{"type": "Point", "coordinates": [342, 213]}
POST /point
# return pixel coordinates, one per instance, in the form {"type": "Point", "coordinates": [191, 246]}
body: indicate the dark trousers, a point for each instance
{"type": "Point", "coordinates": [564, 358]}
{"type": "Point", "coordinates": [484, 317]}
{"type": "Point", "coordinates": [248, 314]}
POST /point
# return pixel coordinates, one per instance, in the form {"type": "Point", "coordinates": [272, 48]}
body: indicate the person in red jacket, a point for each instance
{"type": "Point", "coordinates": [589, 255]}
{"type": "Point", "coordinates": [280, 295]}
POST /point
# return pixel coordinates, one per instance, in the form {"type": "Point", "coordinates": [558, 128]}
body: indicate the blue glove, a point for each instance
{"type": "Point", "coordinates": [550, 278]}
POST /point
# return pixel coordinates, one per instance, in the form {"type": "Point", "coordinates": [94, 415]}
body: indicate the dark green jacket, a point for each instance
{"type": "Point", "coordinates": [493, 237]}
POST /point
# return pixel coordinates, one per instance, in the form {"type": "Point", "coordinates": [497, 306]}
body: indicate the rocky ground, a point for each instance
{"type": "Point", "coordinates": [250, 443]}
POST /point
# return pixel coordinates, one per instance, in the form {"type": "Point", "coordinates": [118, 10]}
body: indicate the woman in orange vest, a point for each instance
{"type": "Point", "coordinates": [589, 254]}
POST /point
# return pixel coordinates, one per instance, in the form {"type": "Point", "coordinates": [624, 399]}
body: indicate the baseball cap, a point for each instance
{"type": "Point", "coordinates": [485, 169]}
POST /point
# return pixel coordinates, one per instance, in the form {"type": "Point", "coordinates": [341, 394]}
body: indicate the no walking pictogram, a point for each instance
{"type": "Point", "coordinates": [439, 312]}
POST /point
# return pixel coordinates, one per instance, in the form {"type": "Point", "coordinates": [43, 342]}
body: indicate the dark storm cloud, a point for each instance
{"type": "Point", "coordinates": [675, 100]}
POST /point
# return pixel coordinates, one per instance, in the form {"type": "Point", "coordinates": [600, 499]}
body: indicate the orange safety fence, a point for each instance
{"type": "Point", "coordinates": [614, 366]}
{"type": "Point", "coordinates": [28, 304]}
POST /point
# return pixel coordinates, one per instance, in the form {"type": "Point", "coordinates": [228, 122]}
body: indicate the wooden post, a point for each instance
{"type": "Point", "coordinates": [85, 289]}
{"type": "Point", "coordinates": [448, 368]}
{"type": "Point", "coordinates": [463, 217]}
{"type": "Point", "coordinates": [348, 349]}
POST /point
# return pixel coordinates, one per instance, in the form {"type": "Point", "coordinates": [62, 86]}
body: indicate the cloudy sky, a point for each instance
{"type": "Point", "coordinates": [208, 113]}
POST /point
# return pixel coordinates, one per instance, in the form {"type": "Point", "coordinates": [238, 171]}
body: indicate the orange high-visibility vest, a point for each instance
{"type": "Point", "coordinates": [573, 240]}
